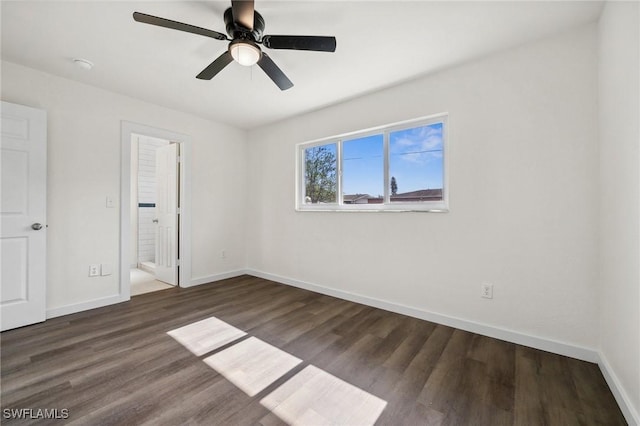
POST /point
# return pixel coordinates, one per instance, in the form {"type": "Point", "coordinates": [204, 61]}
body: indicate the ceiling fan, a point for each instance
{"type": "Point", "coordinates": [245, 27]}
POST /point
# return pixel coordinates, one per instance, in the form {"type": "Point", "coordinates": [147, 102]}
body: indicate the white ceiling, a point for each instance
{"type": "Point", "coordinates": [379, 44]}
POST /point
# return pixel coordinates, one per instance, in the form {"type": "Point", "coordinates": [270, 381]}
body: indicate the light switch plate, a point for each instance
{"type": "Point", "coordinates": [106, 269]}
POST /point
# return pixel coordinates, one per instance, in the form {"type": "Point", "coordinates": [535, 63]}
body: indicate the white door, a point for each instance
{"type": "Point", "coordinates": [23, 233]}
{"type": "Point", "coordinates": [167, 213]}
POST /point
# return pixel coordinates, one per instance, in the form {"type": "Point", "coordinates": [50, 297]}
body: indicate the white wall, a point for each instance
{"type": "Point", "coordinates": [523, 182]}
{"type": "Point", "coordinates": [619, 93]}
{"type": "Point", "coordinates": [84, 126]}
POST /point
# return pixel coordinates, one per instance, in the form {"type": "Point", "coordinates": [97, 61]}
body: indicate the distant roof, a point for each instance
{"type": "Point", "coordinates": [428, 193]}
{"type": "Point", "coordinates": [355, 197]}
{"type": "Point", "coordinates": [418, 195]}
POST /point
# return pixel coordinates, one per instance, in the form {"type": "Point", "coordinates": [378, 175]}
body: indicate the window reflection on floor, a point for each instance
{"type": "Point", "coordinates": [205, 336]}
{"type": "Point", "coordinates": [312, 396]}
{"type": "Point", "coordinates": [252, 364]}
{"type": "Point", "coordinates": [315, 397]}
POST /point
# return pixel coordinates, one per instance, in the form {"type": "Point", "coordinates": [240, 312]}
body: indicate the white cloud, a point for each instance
{"type": "Point", "coordinates": [411, 144]}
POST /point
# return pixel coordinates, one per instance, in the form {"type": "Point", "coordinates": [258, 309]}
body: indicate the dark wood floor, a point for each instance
{"type": "Point", "coordinates": [116, 365]}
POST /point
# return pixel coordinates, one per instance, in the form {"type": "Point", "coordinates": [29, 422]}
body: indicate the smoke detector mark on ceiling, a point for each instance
{"type": "Point", "coordinates": [83, 63]}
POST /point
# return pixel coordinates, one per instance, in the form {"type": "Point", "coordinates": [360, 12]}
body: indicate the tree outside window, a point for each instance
{"type": "Point", "coordinates": [320, 174]}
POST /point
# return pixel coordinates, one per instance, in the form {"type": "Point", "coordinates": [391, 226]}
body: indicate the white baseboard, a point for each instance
{"type": "Point", "coordinates": [549, 345]}
{"type": "Point", "coordinates": [216, 277]}
{"type": "Point", "coordinates": [110, 300]}
{"type": "Point", "coordinates": [83, 306]}
{"type": "Point", "coordinates": [622, 398]}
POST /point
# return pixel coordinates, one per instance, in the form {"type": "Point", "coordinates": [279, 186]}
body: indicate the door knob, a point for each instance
{"type": "Point", "coordinates": [155, 220]}
{"type": "Point", "coordinates": [36, 226]}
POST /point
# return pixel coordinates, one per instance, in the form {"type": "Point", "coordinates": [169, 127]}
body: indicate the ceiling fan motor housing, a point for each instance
{"type": "Point", "coordinates": [237, 31]}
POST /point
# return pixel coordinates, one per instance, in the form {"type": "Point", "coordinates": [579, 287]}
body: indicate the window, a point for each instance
{"type": "Point", "coordinates": [416, 163]}
{"type": "Point", "coordinates": [363, 167]}
{"type": "Point", "coordinates": [320, 177]}
{"type": "Point", "coordinates": [400, 167]}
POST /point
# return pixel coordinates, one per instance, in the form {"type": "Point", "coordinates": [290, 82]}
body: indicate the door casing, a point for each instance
{"type": "Point", "coordinates": [127, 130]}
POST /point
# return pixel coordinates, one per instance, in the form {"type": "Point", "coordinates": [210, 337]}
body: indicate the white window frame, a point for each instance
{"type": "Point", "coordinates": [387, 206]}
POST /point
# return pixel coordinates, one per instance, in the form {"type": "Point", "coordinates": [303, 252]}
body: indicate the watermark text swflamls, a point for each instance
{"type": "Point", "coordinates": [35, 413]}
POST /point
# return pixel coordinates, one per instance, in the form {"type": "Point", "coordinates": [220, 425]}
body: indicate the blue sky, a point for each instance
{"type": "Point", "coordinates": [415, 159]}
{"type": "Point", "coordinates": [363, 166]}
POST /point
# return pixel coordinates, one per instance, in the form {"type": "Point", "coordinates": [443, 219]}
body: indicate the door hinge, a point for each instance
{"type": "Point", "coordinates": [178, 262]}
{"type": "Point", "coordinates": [179, 158]}
{"type": "Point", "coordinates": [178, 211]}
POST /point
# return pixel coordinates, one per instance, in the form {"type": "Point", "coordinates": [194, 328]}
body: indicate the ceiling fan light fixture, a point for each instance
{"type": "Point", "coordinates": [245, 27]}
{"type": "Point", "coordinates": [245, 52]}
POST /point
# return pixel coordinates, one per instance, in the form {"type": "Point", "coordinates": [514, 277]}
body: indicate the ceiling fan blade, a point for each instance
{"type": "Point", "coordinates": [315, 43]}
{"type": "Point", "coordinates": [216, 66]}
{"type": "Point", "coordinates": [275, 73]}
{"type": "Point", "coordinates": [243, 13]}
{"type": "Point", "coordinates": [175, 25]}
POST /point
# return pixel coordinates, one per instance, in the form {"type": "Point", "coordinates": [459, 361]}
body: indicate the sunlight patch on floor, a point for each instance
{"type": "Point", "coordinates": [310, 397]}
{"type": "Point", "coordinates": [205, 336]}
{"type": "Point", "coordinates": [315, 397]}
{"type": "Point", "coordinates": [252, 364]}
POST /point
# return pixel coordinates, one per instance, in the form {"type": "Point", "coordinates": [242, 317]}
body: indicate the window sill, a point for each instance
{"type": "Point", "coordinates": [377, 209]}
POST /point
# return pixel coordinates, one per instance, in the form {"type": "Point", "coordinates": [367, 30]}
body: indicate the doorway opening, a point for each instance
{"type": "Point", "coordinates": [155, 205]}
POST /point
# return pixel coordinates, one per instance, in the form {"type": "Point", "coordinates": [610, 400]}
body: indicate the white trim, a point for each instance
{"type": "Point", "coordinates": [216, 277]}
{"type": "Point", "coordinates": [549, 345]}
{"type": "Point", "coordinates": [339, 176]}
{"type": "Point", "coordinates": [83, 306]}
{"type": "Point", "coordinates": [386, 161]}
{"type": "Point", "coordinates": [375, 208]}
{"type": "Point", "coordinates": [622, 398]}
{"type": "Point", "coordinates": [127, 129]}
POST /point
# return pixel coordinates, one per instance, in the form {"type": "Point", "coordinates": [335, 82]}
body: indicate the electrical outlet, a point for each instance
{"type": "Point", "coordinates": [486, 291]}
{"type": "Point", "coordinates": [94, 270]}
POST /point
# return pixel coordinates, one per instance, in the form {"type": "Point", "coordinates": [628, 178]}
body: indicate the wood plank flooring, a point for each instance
{"type": "Point", "coordinates": [118, 366]}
